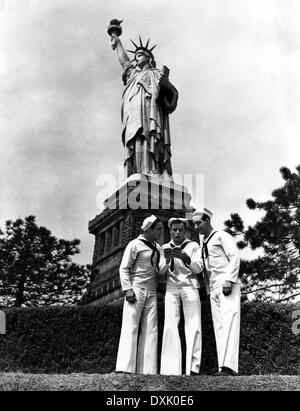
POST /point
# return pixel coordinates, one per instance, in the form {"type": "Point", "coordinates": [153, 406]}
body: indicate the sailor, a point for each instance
{"type": "Point", "coordinates": [142, 261]}
{"type": "Point", "coordinates": [182, 288]}
{"type": "Point", "coordinates": [219, 259]}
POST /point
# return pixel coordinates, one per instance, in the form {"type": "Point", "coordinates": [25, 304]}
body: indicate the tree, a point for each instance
{"type": "Point", "coordinates": [36, 267]}
{"type": "Point", "coordinates": [274, 275]}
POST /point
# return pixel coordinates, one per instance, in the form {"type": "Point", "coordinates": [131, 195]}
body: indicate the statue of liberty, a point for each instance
{"type": "Point", "coordinates": [147, 101]}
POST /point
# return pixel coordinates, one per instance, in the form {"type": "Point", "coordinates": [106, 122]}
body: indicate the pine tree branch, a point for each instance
{"type": "Point", "coordinates": [267, 287]}
{"type": "Point", "coordinates": [288, 298]}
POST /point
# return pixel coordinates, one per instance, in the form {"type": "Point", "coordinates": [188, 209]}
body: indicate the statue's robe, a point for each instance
{"type": "Point", "coordinates": [146, 131]}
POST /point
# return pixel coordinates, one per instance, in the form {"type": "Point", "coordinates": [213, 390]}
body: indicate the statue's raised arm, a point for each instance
{"type": "Point", "coordinates": [122, 55]}
{"type": "Point", "coordinates": [148, 99]}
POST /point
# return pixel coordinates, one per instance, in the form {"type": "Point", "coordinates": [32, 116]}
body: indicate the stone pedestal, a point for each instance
{"type": "Point", "coordinates": [124, 211]}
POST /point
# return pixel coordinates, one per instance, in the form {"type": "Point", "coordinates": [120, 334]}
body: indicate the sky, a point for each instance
{"type": "Point", "coordinates": [235, 63]}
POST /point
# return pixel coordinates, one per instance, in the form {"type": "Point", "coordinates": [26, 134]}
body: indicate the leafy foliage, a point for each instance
{"type": "Point", "coordinates": [36, 267]}
{"type": "Point", "coordinates": [276, 273]}
{"type": "Point", "coordinates": [85, 339]}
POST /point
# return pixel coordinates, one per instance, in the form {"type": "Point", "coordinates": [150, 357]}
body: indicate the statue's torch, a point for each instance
{"type": "Point", "coordinates": [114, 29]}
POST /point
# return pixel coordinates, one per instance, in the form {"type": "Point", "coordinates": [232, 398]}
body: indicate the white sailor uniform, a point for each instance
{"type": "Point", "coordinates": [220, 260]}
{"type": "Point", "coordinates": [139, 267]}
{"type": "Point", "coordinates": [182, 286]}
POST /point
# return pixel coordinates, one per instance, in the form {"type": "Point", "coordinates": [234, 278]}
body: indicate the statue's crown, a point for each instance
{"type": "Point", "coordinates": [143, 48]}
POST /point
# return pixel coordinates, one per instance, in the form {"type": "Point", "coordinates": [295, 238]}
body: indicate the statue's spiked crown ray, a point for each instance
{"type": "Point", "coordinates": [145, 48]}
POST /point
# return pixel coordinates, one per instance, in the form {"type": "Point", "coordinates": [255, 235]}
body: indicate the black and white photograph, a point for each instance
{"type": "Point", "coordinates": [150, 198]}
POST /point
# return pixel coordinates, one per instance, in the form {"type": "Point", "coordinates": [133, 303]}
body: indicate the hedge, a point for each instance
{"type": "Point", "coordinates": [85, 339]}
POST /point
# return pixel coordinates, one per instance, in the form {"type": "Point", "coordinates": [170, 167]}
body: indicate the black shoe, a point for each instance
{"type": "Point", "coordinates": [225, 372]}
{"type": "Point", "coordinates": [228, 371]}
{"type": "Point", "coordinates": [193, 373]}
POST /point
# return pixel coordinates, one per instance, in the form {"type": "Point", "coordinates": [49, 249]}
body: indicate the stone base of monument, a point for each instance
{"type": "Point", "coordinates": [124, 211]}
{"type": "Point", "coordinates": [149, 193]}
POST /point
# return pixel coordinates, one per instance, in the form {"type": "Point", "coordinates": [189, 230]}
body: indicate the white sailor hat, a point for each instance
{"type": "Point", "coordinates": [198, 214]}
{"type": "Point", "coordinates": [148, 222]}
{"type": "Point", "coordinates": [184, 220]}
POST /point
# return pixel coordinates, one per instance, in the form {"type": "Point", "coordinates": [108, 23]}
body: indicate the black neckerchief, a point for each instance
{"type": "Point", "coordinates": [182, 246]}
{"type": "Point", "coordinates": [204, 253]}
{"type": "Point", "coordinates": [154, 250]}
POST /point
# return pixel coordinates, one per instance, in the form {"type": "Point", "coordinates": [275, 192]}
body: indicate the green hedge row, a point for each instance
{"type": "Point", "coordinates": [85, 339]}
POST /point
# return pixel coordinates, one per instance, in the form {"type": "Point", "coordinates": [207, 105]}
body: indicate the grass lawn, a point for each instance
{"type": "Point", "coordinates": [120, 382]}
